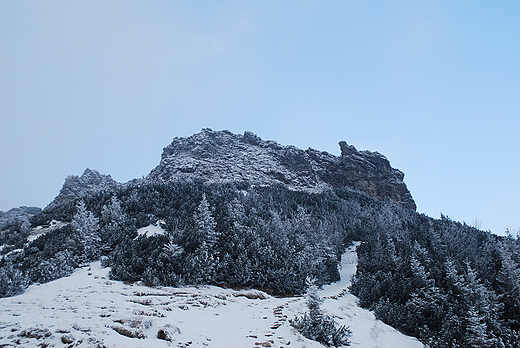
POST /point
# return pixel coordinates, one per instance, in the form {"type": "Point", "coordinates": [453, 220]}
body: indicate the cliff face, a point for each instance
{"type": "Point", "coordinates": [223, 156]}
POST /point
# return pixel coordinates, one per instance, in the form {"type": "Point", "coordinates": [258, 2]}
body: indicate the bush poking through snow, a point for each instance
{"type": "Point", "coordinates": [252, 294]}
{"type": "Point", "coordinates": [35, 332]}
{"type": "Point", "coordinates": [163, 335]}
{"type": "Point", "coordinates": [67, 339]}
{"type": "Point", "coordinates": [323, 330]}
{"type": "Point", "coordinates": [132, 333]}
{"type": "Point", "coordinates": [316, 326]}
{"type": "Point", "coordinates": [167, 332]}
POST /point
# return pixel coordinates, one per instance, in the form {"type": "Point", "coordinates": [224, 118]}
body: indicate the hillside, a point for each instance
{"type": "Point", "coordinates": [235, 211]}
{"type": "Point", "coordinates": [96, 311]}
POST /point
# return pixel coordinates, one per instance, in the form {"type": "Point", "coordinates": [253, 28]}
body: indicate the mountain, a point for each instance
{"type": "Point", "coordinates": [223, 156]}
{"type": "Point", "coordinates": [237, 212]}
{"type": "Point", "coordinates": [20, 213]}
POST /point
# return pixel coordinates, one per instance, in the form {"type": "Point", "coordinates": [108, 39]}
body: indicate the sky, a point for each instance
{"type": "Point", "coordinates": [434, 86]}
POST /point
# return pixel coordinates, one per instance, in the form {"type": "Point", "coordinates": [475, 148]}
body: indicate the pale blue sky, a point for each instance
{"type": "Point", "coordinates": [434, 86]}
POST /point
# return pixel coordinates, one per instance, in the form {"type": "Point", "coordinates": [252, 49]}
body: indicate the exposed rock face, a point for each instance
{"type": "Point", "coordinates": [89, 182]}
{"type": "Point", "coordinates": [224, 156]}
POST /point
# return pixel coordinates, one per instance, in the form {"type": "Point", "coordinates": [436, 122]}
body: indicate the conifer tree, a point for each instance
{"type": "Point", "coordinates": [203, 260]}
{"type": "Point", "coordinates": [206, 235]}
{"type": "Point", "coordinates": [87, 227]}
{"type": "Point", "coordinates": [113, 219]}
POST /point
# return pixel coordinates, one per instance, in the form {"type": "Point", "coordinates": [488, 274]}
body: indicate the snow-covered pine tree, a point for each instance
{"type": "Point", "coordinates": [206, 233]}
{"type": "Point", "coordinates": [87, 227]}
{"type": "Point", "coordinates": [112, 219]}
{"type": "Point", "coordinates": [112, 213]}
{"type": "Point", "coordinates": [203, 260]}
{"type": "Point", "coordinates": [172, 250]}
{"type": "Point", "coordinates": [509, 285]}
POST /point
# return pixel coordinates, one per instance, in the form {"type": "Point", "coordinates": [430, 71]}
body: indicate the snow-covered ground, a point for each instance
{"type": "Point", "coordinates": [89, 310]}
{"type": "Point", "coordinates": [152, 230]}
{"type": "Point", "coordinates": [367, 331]}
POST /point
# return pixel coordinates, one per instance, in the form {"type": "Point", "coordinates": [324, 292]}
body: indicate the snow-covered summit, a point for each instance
{"type": "Point", "coordinates": [222, 156]}
{"type": "Point", "coordinates": [218, 156]}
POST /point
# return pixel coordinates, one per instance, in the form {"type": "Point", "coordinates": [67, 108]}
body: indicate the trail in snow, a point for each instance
{"type": "Point", "coordinates": [89, 310]}
{"type": "Point", "coordinates": [367, 331]}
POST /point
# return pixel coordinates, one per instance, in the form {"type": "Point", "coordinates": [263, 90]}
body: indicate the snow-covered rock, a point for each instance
{"type": "Point", "coordinates": [220, 156]}
{"type": "Point", "coordinates": [89, 182]}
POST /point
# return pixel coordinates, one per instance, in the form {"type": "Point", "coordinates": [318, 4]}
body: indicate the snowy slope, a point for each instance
{"type": "Point", "coordinates": [366, 330]}
{"type": "Point", "coordinates": [152, 230]}
{"type": "Point", "coordinates": [89, 310]}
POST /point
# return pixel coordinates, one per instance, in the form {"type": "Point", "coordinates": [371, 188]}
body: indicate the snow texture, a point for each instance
{"type": "Point", "coordinates": [87, 309]}
{"type": "Point", "coordinates": [152, 230]}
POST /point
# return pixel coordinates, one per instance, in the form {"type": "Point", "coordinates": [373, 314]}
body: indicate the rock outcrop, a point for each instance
{"type": "Point", "coordinates": [220, 156]}
{"type": "Point", "coordinates": [89, 182]}
{"type": "Point", "coordinates": [20, 213]}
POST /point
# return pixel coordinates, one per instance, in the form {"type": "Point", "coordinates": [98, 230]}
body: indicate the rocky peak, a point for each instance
{"type": "Point", "coordinates": [218, 156]}
{"type": "Point", "coordinates": [346, 149]}
{"type": "Point", "coordinates": [20, 213]}
{"type": "Point", "coordinates": [89, 182]}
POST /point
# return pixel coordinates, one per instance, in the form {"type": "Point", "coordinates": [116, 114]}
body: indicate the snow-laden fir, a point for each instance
{"type": "Point", "coordinates": [87, 309]}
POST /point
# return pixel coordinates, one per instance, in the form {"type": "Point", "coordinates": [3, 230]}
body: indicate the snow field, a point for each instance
{"type": "Point", "coordinates": [152, 230]}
